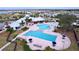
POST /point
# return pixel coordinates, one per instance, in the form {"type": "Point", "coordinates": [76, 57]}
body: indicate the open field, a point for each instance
{"type": "Point", "coordinates": [10, 17]}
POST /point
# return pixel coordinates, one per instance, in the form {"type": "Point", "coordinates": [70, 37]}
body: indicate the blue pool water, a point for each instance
{"type": "Point", "coordinates": [41, 35]}
{"type": "Point", "coordinates": [43, 26]}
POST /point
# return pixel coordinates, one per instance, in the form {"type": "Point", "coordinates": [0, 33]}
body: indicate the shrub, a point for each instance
{"type": "Point", "coordinates": [49, 49]}
{"type": "Point", "coordinates": [25, 46]}
{"type": "Point", "coordinates": [24, 29]}
{"type": "Point", "coordinates": [15, 35]}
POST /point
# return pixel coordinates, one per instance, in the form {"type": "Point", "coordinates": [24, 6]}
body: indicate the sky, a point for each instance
{"type": "Point", "coordinates": [13, 8]}
{"type": "Point", "coordinates": [36, 4]}
{"type": "Point", "coordinates": [39, 3]}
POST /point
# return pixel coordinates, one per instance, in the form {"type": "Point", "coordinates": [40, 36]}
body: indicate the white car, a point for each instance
{"type": "Point", "coordinates": [75, 24]}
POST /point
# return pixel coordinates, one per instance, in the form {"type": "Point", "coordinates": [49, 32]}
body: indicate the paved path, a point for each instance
{"type": "Point", "coordinates": [11, 41]}
{"type": "Point", "coordinates": [7, 44]}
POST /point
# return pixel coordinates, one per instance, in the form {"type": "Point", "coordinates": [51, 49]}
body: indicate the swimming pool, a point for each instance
{"type": "Point", "coordinates": [41, 35]}
{"type": "Point", "coordinates": [43, 26]}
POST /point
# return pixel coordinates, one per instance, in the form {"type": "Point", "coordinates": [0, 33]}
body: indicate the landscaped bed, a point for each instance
{"type": "Point", "coordinates": [73, 46]}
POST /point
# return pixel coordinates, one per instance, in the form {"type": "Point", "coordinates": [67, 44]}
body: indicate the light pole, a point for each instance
{"type": "Point", "coordinates": [63, 43]}
{"type": "Point", "coordinates": [63, 38]}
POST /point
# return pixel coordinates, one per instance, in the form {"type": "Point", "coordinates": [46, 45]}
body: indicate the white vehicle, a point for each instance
{"type": "Point", "coordinates": [76, 23]}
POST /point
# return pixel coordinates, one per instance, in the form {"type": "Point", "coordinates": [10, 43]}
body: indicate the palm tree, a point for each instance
{"type": "Point", "coordinates": [25, 46]}
{"type": "Point", "coordinates": [15, 44]}
{"type": "Point", "coordinates": [15, 47]}
{"type": "Point", "coordinates": [22, 23]}
{"type": "Point", "coordinates": [28, 20]}
{"type": "Point", "coordinates": [10, 30]}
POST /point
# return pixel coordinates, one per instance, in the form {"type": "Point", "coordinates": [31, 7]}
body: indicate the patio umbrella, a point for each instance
{"type": "Point", "coordinates": [54, 43]}
{"type": "Point", "coordinates": [63, 36]}
{"type": "Point", "coordinates": [30, 40]}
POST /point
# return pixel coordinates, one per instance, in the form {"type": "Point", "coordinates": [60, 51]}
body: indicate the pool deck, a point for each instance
{"type": "Point", "coordinates": [51, 25]}
{"type": "Point", "coordinates": [60, 43]}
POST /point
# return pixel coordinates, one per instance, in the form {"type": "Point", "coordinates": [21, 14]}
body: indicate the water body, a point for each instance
{"type": "Point", "coordinates": [6, 12]}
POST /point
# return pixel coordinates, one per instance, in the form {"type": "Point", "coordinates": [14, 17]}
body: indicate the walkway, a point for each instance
{"type": "Point", "coordinates": [12, 40]}
{"type": "Point", "coordinates": [7, 44]}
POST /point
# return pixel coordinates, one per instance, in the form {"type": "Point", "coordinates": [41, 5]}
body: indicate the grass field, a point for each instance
{"type": "Point", "coordinates": [3, 37]}
{"type": "Point", "coordinates": [11, 46]}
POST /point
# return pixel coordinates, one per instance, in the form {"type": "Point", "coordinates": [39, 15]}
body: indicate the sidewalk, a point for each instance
{"type": "Point", "coordinates": [7, 44]}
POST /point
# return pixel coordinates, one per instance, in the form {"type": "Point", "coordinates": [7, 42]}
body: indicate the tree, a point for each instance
{"type": "Point", "coordinates": [15, 42]}
{"type": "Point", "coordinates": [35, 15]}
{"type": "Point", "coordinates": [15, 47]}
{"type": "Point", "coordinates": [66, 20]}
{"type": "Point", "coordinates": [15, 17]}
{"type": "Point", "coordinates": [22, 23]}
{"type": "Point", "coordinates": [49, 49]}
{"type": "Point", "coordinates": [21, 16]}
{"type": "Point", "coordinates": [25, 46]}
{"type": "Point", "coordinates": [26, 20]}
{"type": "Point", "coordinates": [0, 17]}
{"type": "Point", "coordinates": [10, 30]}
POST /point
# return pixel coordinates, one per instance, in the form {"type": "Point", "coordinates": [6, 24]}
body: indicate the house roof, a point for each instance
{"type": "Point", "coordinates": [37, 18]}
{"type": "Point", "coordinates": [17, 23]}
{"type": "Point", "coordinates": [27, 15]}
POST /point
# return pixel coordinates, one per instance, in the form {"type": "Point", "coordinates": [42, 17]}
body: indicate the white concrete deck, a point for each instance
{"type": "Point", "coordinates": [52, 26]}
{"type": "Point", "coordinates": [60, 43]}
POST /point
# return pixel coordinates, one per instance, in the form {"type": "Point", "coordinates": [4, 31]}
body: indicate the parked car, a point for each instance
{"type": "Point", "coordinates": [76, 23]}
